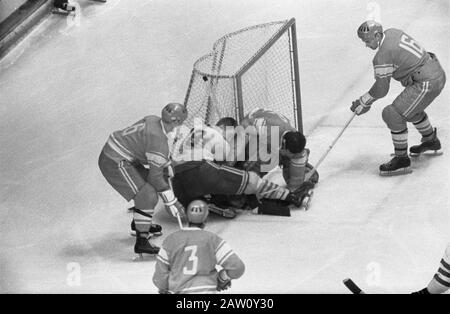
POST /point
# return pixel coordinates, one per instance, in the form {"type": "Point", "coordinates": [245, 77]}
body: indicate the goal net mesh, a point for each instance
{"type": "Point", "coordinates": [246, 70]}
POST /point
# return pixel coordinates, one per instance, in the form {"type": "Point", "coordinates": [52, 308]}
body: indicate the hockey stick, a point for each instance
{"type": "Point", "coordinates": [169, 179]}
{"type": "Point", "coordinates": [353, 287]}
{"type": "Point", "coordinates": [314, 169]}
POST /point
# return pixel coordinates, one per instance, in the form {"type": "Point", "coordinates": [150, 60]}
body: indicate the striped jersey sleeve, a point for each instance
{"type": "Point", "coordinates": [228, 259]}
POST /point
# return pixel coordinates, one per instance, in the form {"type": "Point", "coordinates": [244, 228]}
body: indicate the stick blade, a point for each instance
{"type": "Point", "coordinates": [353, 287]}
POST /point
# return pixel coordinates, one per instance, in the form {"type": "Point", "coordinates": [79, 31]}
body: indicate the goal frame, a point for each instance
{"type": "Point", "coordinates": [290, 28]}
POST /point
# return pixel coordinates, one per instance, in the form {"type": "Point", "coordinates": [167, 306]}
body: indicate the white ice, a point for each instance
{"type": "Point", "coordinates": [75, 80]}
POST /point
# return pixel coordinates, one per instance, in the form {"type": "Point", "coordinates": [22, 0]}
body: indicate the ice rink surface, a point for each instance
{"type": "Point", "coordinates": [73, 81]}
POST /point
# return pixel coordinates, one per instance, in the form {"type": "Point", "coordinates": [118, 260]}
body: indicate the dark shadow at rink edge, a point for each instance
{"type": "Point", "coordinates": [110, 246]}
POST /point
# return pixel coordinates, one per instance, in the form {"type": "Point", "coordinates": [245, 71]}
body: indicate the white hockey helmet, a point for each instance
{"type": "Point", "coordinates": [197, 212]}
{"type": "Point", "coordinates": [175, 113]}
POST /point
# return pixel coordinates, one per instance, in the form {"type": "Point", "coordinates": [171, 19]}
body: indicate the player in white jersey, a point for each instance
{"type": "Point", "coordinates": [441, 279]}
{"type": "Point", "coordinates": [188, 259]}
{"type": "Point", "coordinates": [402, 58]}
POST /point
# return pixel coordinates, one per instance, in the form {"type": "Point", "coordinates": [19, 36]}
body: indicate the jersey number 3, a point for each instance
{"type": "Point", "coordinates": [193, 260]}
{"type": "Point", "coordinates": [411, 46]}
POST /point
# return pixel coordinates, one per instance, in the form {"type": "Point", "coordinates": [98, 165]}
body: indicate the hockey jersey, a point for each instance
{"type": "Point", "coordinates": [204, 143]}
{"type": "Point", "coordinates": [144, 142]}
{"type": "Point", "coordinates": [398, 56]}
{"type": "Point", "coordinates": [187, 260]}
{"type": "Point", "coordinates": [293, 167]}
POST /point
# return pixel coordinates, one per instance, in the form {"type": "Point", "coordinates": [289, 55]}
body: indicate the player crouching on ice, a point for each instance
{"type": "Point", "coordinates": [292, 156]}
{"type": "Point", "coordinates": [134, 161]}
{"type": "Point", "coordinates": [188, 258]}
{"type": "Point", "coordinates": [399, 56]}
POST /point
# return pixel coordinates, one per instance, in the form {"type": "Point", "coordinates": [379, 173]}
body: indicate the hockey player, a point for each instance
{"type": "Point", "coordinates": [293, 156]}
{"type": "Point", "coordinates": [188, 258]}
{"type": "Point", "coordinates": [441, 279]}
{"type": "Point", "coordinates": [200, 171]}
{"type": "Point", "coordinates": [134, 161]}
{"type": "Point", "coordinates": [402, 58]}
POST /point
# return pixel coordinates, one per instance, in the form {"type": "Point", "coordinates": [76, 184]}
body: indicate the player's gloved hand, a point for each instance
{"type": "Point", "coordinates": [304, 188]}
{"type": "Point", "coordinates": [423, 291]}
{"type": "Point", "coordinates": [223, 280]}
{"type": "Point", "coordinates": [362, 104]}
{"type": "Point", "coordinates": [359, 107]}
{"type": "Point", "coordinates": [172, 203]}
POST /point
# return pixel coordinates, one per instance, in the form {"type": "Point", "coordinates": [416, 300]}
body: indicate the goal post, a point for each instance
{"type": "Point", "coordinates": [255, 67]}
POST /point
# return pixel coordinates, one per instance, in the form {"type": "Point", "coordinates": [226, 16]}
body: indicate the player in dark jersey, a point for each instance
{"type": "Point", "coordinates": [134, 161]}
{"type": "Point", "coordinates": [402, 58]}
{"type": "Point", "coordinates": [188, 258]}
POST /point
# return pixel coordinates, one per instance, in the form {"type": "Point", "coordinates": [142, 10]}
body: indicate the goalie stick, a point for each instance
{"type": "Point", "coordinates": [352, 286]}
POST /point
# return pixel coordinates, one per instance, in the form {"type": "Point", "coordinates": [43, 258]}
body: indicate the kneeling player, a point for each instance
{"type": "Point", "coordinates": [292, 154]}
{"type": "Point", "coordinates": [188, 258]}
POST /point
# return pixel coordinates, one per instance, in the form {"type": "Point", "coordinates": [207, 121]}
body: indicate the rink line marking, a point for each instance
{"type": "Point", "coordinates": [322, 268]}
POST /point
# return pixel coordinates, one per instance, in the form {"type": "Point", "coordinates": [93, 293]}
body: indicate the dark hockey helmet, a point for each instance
{"type": "Point", "coordinates": [294, 142]}
{"type": "Point", "coordinates": [197, 212]}
{"type": "Point", "coordinates": [175, 113]}
{"type": "Point", "coordinates": [368, 30]}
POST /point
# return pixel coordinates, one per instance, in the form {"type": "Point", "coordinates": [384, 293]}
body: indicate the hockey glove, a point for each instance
{"type": "Point", "coordinates": [172, 203]}
{"type": "Point", "coordinates": [223, 280]}
{"type": "Point", "coordinates": [363, 104]}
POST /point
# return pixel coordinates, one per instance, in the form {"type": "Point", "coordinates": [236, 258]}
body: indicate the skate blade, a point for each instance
{"type": "Point", "coordinates": [397, 172]}
{"type": "Point", "coordinates": [142, 257]}
{"type": "Point", "coordinates": [430, 153]}
{"type": "Point", "coordinates": [152, 235]}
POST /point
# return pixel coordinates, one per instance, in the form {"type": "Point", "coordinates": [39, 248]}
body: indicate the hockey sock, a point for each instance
{"type": "Point", "coordinates": [266, 189]}
{"type": "Point", "coordinates": [425, 128]}
{"type": "Point", "coordinates": [400, 140]}
{"type": "Point", "coordinates": [143, 222]}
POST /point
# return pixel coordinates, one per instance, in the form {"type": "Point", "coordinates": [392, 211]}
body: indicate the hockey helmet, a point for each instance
{"type": "Point", "coordinates": [197, 212]}
{"type": "Point", "coordinates": [174, 113]}
{"type": "Point", "coordinates": [368, 30]}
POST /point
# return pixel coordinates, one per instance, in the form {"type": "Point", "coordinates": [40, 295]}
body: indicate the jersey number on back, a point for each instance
{"type": "Point", "coordinates": [408, 44]}
{"type": "Point", "coordinates": [193, 260]}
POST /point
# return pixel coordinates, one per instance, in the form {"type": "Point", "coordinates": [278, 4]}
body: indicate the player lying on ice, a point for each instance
{"type": "Point", "coordinates": [202, 170]}
{"type": "Point", "coordinates": [134, 162]}
{"type": "Point", "coordinates": [401, 57]}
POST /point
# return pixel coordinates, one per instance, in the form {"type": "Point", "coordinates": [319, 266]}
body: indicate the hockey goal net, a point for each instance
{"type": "Point", "coordinates": [256, 67]}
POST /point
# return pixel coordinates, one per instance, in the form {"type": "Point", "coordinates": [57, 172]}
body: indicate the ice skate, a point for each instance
{"type": "Point", "coordinates": [155, 230]}
{"type": "Point", "coordinates": [143, 246]}
{"type": "Point", "coordinates": [396, 166]}
{"type": "Point", "coordinates": [433, 146]}
{"type": "Point", "coordinates": [224, 212]}
{"type": "Point", "coordinates": [306, 202]}
{"type": "Point", "coordinates": [63, 9]}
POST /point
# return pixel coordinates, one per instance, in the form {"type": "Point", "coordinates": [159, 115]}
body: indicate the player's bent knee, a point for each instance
{"type": "Point", "coordinates": [146, 197]}
{"type": "Point", "coordinates": [393, 119]}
